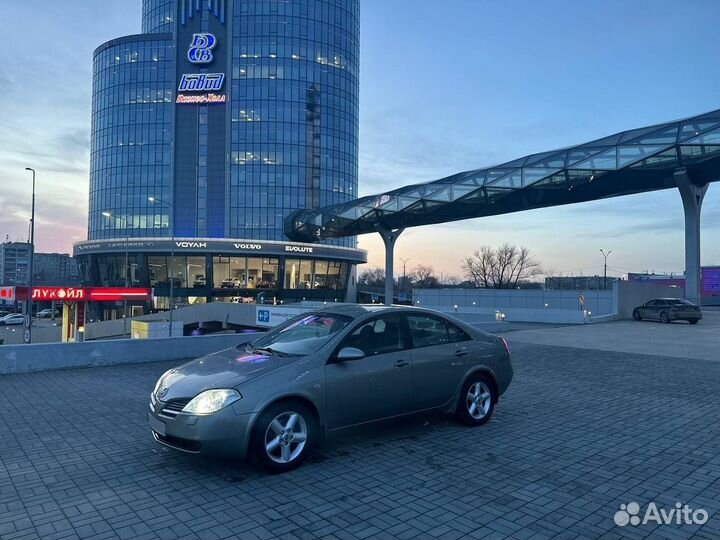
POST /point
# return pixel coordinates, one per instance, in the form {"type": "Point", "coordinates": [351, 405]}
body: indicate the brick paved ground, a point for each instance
{"type": "Point", "coordinates": [578, 433]}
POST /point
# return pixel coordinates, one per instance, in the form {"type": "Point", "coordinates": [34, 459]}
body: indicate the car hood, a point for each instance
{"type": "Point", "coordinates": [224, 369]}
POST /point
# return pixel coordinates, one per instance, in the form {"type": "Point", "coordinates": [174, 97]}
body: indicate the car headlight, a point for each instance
{"type": "Point", "coordinates": [211, 401]}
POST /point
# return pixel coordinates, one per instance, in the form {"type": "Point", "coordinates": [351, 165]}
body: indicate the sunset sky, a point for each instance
{"type": "Point", "coordinates": [445, 87]}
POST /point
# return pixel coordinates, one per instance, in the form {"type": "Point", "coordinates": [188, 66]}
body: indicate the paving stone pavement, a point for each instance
{"type": "Point", "coordinates": [579, 433]}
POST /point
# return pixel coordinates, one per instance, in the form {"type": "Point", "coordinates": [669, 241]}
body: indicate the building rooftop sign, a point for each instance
{"type": "Point", "coordinates": [200, 53]}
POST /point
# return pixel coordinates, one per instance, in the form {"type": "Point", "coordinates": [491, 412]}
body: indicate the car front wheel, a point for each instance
{"type": "Point", "coordinates": [664, 317]}
{"type": "Point", "coordinates": [636, 315]}
{"type": "Point", "coordinates": [283, 436]}
{"type": "Point", "coordinates": [477, 400]}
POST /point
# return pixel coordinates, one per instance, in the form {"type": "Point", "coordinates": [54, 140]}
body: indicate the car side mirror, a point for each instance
{"type": "Point", "coordinates": [347, 354]}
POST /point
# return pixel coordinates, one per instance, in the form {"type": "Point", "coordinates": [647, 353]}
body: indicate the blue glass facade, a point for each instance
{"type": "Point", "coordinates": [158, 16]}
{"type": "Point", "coordinates": [130, 155]}
{"type": "Point", "coordinates": [294, 141]}
{"type": "Point", "coordinates": [216, 167]}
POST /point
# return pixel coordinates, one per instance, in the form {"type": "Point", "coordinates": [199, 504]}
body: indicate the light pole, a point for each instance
{"type": "Point", "coordinates": [31, 270]}
{"type": "Point", "coordinates": [606, 255]}
{"type": "Point", "coordinates": [127, 265]}
{"type": "Point", "coordinates": [404, 261]}
{"type": "Point", "coordinates": [172, 257]}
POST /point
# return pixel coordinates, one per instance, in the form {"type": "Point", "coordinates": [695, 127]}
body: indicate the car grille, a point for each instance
{"type": "Point", "coordinates": [173, 407]}
{"type": "Point", "coordinates": [178, 443]}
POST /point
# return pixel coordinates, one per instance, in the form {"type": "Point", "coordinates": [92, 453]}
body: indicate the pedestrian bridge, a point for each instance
{"type": "Point", "coordinates": [683, 154]}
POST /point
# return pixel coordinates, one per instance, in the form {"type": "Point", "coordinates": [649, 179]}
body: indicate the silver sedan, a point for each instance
{"type": "Point", "coordinates": [276, 397]}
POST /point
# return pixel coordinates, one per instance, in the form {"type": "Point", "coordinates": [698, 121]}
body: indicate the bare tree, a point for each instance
{"type": "Point", "coordinates": [448, 280]}
{"type": "Point", "coordinates": [372, 277]}
{"type": "Point", "coordinates": [478, 267]}
{"type": "Point", "coordinates": [500, 268]}
{"type": "Point", "coordinates": [424, 277]}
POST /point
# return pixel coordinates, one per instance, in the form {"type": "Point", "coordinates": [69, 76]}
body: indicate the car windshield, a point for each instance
{"type": "Point", "coordinates": [301, 335]}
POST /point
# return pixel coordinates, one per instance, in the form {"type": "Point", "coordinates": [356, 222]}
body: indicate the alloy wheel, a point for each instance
{"type": "Point", "coordinates": [478, 400]}
{"type": "Point", "coordinates": [285, 437]}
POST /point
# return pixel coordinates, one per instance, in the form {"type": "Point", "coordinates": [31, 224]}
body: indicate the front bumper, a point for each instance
{"type": "Point", "coordinates": [224, 433]}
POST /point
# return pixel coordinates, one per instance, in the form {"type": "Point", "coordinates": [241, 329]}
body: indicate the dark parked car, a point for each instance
{"type": "Point", "coordinates": [325, 370]}
{"type": "Point", "coordinates": [47, 313]}
{"type": "Point", "coordinates": [667, 310]}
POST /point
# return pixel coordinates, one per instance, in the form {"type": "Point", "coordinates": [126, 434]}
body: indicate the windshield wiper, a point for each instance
{"type": "Point", "coordinates": [271, 351]}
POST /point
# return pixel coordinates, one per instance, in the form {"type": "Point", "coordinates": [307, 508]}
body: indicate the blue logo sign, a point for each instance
{"type": "Point", "coordinates": [201, 82]}
{"type": "Point", "coordinates": [264, 315]}
{"type": "Point", "coordinates": [200, 51]}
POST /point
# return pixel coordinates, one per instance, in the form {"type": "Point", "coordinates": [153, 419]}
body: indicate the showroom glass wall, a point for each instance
{"type": "Point", "coordinates": [294, 134]}
{"type": "Point", "coordinates": [133, 80]}
{"type": "Point", "coordinates": [218, 277]}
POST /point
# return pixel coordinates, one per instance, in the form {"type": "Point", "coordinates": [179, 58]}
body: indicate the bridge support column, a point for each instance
{"type": "Point", "coordinates": [389, 238]}
{"type": "Point", "coordinates": [692, 198]}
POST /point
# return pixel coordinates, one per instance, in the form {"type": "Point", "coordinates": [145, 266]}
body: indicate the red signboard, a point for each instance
{"type": "Point", "coordinates": [109, 294]}
{"type": "Point", "coordinates": [84, 294]}
{"type": "Point", "coordinates": [7, 294]}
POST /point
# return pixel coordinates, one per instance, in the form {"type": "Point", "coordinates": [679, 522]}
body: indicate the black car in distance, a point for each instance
{"type": "Point", "coordinates": [667, 310]}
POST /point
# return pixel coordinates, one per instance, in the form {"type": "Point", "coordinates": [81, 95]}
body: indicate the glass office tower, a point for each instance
{"type": "Point", "coordinates": [208, 130]}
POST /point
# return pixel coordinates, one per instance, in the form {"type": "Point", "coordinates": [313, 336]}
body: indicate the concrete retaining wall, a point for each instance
{"type": "Point", "coordinates": [43, 357]}
{"type": "Point", "coordinates": [544, 315]}
{"type": "Point", "coordinates": [631, 294]}
{"type": "Point", "coordinates": [597, 302]}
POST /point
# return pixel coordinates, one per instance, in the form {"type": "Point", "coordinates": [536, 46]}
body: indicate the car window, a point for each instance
{"type": "Point", "coordinates": [678, 302]}
{"type": "Point", "coordinates": [378, 336]}
{"type": "Point", "coordinates": [651, 303]}
{"type": "Point", "coordinates": [660, 303]}
{"type": "Point", "coordinates": [455, 334]}
{"type": "Point", "coordinates": [427, 331]}
{"type": "Point", "coordinates": [303, 334]}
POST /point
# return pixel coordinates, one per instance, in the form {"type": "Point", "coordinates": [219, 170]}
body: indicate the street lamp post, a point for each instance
{"type": "Point", "coordinates": [127, 265]}
{"type": "Point", "coordinates": [172, 258]}
{"type": "Point", "coordinates": [31, 270]}
{"type": "Point", "coordinates": [606, 255]}
{"type": "Point", "coordinates": [404, 285]}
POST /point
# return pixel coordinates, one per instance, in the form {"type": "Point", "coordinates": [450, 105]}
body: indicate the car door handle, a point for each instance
{"type": "Point", "coordinates": [460, 352]}
{"type": "Point", "coordinates": [402, 363]}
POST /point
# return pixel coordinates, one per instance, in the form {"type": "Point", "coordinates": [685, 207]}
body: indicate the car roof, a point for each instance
{"type": "Point", "coordinates": [356, 310]}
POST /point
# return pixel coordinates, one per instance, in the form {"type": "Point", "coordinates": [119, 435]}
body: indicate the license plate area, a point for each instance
{"type": "Point", "coordinates": [156, 425]}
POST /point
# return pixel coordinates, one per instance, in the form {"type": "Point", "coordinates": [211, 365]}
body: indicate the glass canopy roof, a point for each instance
{"type": "Point", "coordinates": [629, 162]}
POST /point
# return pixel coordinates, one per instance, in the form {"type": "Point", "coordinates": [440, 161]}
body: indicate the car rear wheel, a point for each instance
{"type": "Point", "coordinates": [477, 400]}
{"type": "Point", "coordinates": [664, 317]}
{"type": "Point", "coordinates": [283, 436]}
{"type": "Point", "coordinates": [636, 315]}
{"type": "Point", "coordinates": [693, 321]}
